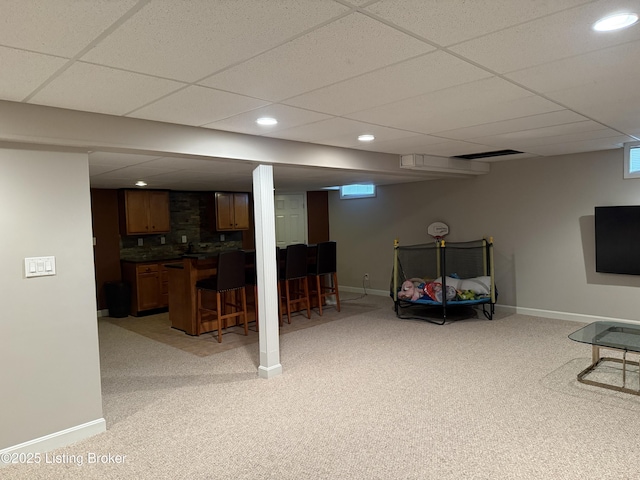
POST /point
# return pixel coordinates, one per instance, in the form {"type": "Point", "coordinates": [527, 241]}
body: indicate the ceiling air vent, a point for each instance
{"type": "Point", "coordinates": [496, 153]}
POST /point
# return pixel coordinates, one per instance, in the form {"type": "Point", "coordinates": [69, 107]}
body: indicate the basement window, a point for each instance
{"type": "Point", "coordinates": [632, 160]}
{"type": "Point", "coordinates": [357, 191]}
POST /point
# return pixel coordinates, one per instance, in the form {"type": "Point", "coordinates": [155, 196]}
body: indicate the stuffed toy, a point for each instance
{"type": "Point", "coordinates": [412, 289]}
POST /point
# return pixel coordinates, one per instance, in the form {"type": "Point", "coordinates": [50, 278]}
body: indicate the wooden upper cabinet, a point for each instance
{"type": "Point", "coordinates": [144, 212]}
{"type": "Point", "coordinates": [232, 211]}
{"type": "Point", "coordinates": [159, 216]}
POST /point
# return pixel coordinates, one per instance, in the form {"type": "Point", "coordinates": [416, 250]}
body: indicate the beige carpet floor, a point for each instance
{"type": "Point", "coordinates": [158, 327]}
{"type": "Point", "coordinates": [370, 396]}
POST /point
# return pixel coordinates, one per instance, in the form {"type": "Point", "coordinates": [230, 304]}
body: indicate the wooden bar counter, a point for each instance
{"type": "Point", "coordinates": [182, 289]}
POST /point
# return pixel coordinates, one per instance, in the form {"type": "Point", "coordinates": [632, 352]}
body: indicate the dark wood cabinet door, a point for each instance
{"type": "Point", "coordinates": [148, 291]}
{"type": "Point", "coordinates": [224, 211]}
{"type": "Point", "coordinates": [136, 211]}
{"type": "Point", "coordinates": [241, 211]}
{"type": "Point", "coordinates": [232, 211]}
{"type": "Point", "coordinates": [159, 218]}
{"type": "Point", "coordinates": [145, 212]}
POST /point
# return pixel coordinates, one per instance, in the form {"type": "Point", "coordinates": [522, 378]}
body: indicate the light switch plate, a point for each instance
{"type": "Point", "coordinates": [39, 266]}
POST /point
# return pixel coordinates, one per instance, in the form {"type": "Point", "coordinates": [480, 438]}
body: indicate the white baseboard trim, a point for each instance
{"type": "Point", "coordinates": [573, 317]}
{"type": "Point", "coordinates": [103, 313]}
{"type": "Point", "coordinates": [369, 291]}
{"type": "Point", "coordinates": [56, 440]}
{"type": "Point", "coordinates": [535, 312]}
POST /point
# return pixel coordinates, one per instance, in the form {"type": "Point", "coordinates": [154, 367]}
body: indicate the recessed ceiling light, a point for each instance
{"type": "Point", "coordinates": [367, 137]}
{"type": "Point", "coordinates": [615, 22]}
{"type": "Point", "coordinates": [266, 121]}
{"type": "Point", "coordinates": [140, 183]}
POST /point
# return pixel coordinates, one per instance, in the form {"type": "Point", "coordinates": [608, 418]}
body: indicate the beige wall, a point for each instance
{"type": "Point", "coordinates": [540, 213]}
{"type": "Point", "coordinates": [50, 374]}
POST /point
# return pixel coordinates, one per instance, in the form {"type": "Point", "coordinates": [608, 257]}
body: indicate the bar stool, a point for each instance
{"type": "Point", "coordinates": [229, 279]}
{"type": "Point", "coordinates": [325, 265]}
{"type": "Point", "coordinates": [295, 273]}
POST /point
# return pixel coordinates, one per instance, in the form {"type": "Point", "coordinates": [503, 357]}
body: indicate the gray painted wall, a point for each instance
{"type": "Point", "coordinates": [540, 213]}
{"type": "Point", "coordinates": [50, 374]}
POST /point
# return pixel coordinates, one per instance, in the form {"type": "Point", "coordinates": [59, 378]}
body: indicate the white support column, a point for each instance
{"type": "Point", "coordinates": [267, 272]}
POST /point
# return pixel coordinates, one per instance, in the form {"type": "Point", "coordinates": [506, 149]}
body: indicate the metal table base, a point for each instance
{"type": "Point", "coordinates": [597, 360]}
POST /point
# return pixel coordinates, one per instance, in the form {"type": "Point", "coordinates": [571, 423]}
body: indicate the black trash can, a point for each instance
{"type": "Point", "coordinates": [118, 298]}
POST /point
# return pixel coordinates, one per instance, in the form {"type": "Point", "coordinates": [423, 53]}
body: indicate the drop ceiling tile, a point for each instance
{"type": "Point", "coordinates": [342, 49]}
{"type": "Point", "coordinates": [547, 39]}
{"type": "Point", "coordinates": [287, 117]}
{"type": "Point", "coordinates": [598, 84]}
{"type": "Point", "coordinates": [597, 67]}
{"type": "Point", "coordinates": [615, 104]}
{"type": "Point", "coordinates": [61, 27]}
{"type": "Point", "coordinates": [634, 132]}
{"type": "Point", "coordinates": [203, 167]}
{"type": "Point", "coordinates": [133, 173]}
{"type": "Point", "coordinates": [99, 169]}
{"type": "Point", "coordinates": [179, 35]}
{"type": "Point", "coordinates": [23, 72]}
{"type": "Point", "coordinates": [475, 103]}
{"type": "Point", "coordinates": [452, 21]}
{"type": "Point", "coordinates": [314, 133]}
{"type": "Point", "coordinates": [546, 140]}
{"type": "Point", "coordinates": [291, 173]}
{"type": "Point", "coordinates": [118, 159]}
{"type": "Point", "coordinates": [177, 176]}
{"type": "Point", "coordinates": [197, 106]}
{"type": "Point", "coordinates": [607, 143]}
{"type": "Point", "coordinates": [177, 163]}
{"type": "Point", "coordinates": [413, 77]}
{"type": "Point", "coordinates": [99, 89]}
{"type": "Point", "coordinates": [529, 123]}
{"type": "Point", "coordinates": [338, 132]}
{"type": "Point", "coordinates": [402, 146]}
{"type": "Point", "coordinates": [541, 135]}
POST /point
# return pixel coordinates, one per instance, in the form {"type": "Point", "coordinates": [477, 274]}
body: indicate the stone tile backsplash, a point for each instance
{"type": "Point", "coordinates": [191, 217]}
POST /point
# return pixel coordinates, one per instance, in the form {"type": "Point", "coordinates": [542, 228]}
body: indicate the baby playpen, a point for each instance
{"type": "Point", "coordinates": [430, 280]}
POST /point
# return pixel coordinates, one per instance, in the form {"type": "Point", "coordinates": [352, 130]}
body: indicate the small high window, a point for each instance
{"type": "Point", "coordinates": [632, 160]}
{"type": "Point", "coordinates": [357, 191]}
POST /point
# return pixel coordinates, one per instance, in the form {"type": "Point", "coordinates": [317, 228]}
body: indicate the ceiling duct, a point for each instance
{"type": "Point", "coordinates": [495, 153]}
{"type": "Point", "coordinates": [443, 165]}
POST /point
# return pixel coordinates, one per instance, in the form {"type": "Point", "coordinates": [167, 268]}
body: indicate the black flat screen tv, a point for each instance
{"type": "Point", "coordinates": [618, 239]}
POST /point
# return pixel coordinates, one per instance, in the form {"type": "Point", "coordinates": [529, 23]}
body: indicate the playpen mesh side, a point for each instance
{"type": "Point", "coordinates": [464, 259]}
{"type": "Point", "coordinates": [417, 261]}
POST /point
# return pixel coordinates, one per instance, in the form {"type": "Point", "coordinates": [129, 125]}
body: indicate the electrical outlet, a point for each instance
{"type": "Point", "coordinates": [366, 276]}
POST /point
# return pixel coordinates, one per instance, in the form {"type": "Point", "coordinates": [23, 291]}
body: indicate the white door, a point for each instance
{"type": "Point", "coordinates": [291, 219]}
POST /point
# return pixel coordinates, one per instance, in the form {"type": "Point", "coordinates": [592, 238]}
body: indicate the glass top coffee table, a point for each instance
{"type": "Point", "coordinates": [619, 336]}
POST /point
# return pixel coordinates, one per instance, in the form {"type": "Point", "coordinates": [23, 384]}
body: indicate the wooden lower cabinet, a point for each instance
{"type": "Point", "coordinates": [149, 285]}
